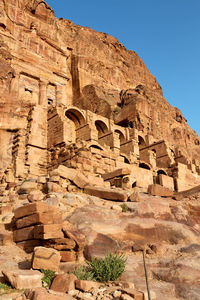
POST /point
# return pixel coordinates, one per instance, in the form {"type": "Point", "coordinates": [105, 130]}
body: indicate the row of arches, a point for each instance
{"type": "Point", "coordinates": [102, 128]}
{"type": "Point", "coordinates": [103, 135]}
{"type": "Point", "coordinates": [79, 120]}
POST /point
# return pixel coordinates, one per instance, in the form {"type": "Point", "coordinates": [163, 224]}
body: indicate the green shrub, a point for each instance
{"type": "Point", "coordinates": [5, 288]}
{"type": "Point", "coordinates": [108, 269]}
{"type": "Point", "coordinates": [84, 273]}
{"type": "Point", "coordinates": [48, 278]}
{"type": "Point", "coordinates": [124, 207]}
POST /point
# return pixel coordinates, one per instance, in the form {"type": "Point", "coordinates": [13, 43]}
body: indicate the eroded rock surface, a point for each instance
{"type": "Point", "coordinates": [76, 110]}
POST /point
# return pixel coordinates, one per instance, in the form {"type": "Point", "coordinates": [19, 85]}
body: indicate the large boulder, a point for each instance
{"type": "Point", "coordinates": [43, 294]}
{"type": "Point", "coordinates": [46, 258]}
{"type": "Point", "coordinates": [27, 187]}
{"type": "Point", "coordinates": [24, 279]}
{"type": "Point", "coordinates": [159, 190]}
{"type": "Point", "coordinates": [63, 283]}
{"type": "Point", "coordinates": [106, 193]}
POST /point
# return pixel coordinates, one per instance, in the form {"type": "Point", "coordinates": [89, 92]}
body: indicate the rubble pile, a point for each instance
{"type": "Point", "coordinates": [39, 224]}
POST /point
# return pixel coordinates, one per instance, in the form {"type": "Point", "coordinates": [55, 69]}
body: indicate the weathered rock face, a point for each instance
{"type": "Point", "coordinates": [60, 85]}
{"type": "Point", "coordinates": [91, 70]}
{"type": "Point", "coordinates": [166, 232]}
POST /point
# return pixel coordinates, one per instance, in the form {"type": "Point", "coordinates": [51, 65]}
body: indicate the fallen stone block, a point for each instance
{"type": "Point", "coordinates": [86, 285]}
{"type": "Point", "coordinates": [24, 279]}
{"type": "Point", "coordinates": [64, 283]}
{"type": "Point", "coordinates": [134, 294]}
{"type": "Point", "coordinates": [94, 180]}
{"type": "Point", "coordinates": [54, 179]}
{"type": "Point", "coordinates": [46, 258]}
{"type": "Point", "coordinates": [28, 246]}
{"type": "Point", "coordinates": [41, 179]}
{"type": "Point", "coordinates": [53, 187]}
{"type": "Point", "coordinates": [42, 294]}
{"type": "Point", "coordinates": [30, 209]}
{"type": "Point", "coordinates": [52, 201]}
{"type": "Point", "coordinates": [116, 294]}
{"type": "Point", "coordinates": [135, 197]}
{"type": "Point", "coordinates": [35, 196]}
{"type": "Point", "coordinates": [116, 173]}
{"type": "Point", "coordinates": [39, 218]}
{"type": "Point", "coordinates": [46, 232]}
{"type": "Point", "coordinates": [75, 176]}
{"type": "Point", "coordinates": [23, 234]}
{"type": "Point", "coordinates": [107, 194]}
{"type": "Point", "coordinates": [27, 186]}
{"type": "Point", "coordinates": [60, 244]}
{"type": "Point", "coordinates": [67, 173]}
{"type": "Point", "coordinates": [80, 180]}
{"type": "Point", "coordinates": [159, 190]}
{"type": "Point", "coordinates": [68, 256]}
{"type": "Point", "coordinates": [126, 297]}
{"type": "Point", "coordinates": [70, 232]}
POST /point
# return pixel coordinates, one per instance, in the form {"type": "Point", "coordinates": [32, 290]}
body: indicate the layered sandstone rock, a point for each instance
{"type": "Point", "coordinates": [39, 224]}
{"type": "Point", "coordinates": [77, 108]}
{"type": "Point", "coordinates": [45, 61]}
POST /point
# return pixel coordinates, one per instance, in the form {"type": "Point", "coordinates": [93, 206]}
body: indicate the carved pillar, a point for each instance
{"type": "Point", "coordinates": [43, 93]}
{"type": "Point", "coordinates": [14, 87]}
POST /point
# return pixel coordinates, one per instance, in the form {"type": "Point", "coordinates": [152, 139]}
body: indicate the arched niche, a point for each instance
{"type": "Point", "coordinates": [126, 160]}
{"type": "Point", "coordinates": [101, 128]}
{"type": "Point", "coordinates": [158, 177]}
{"type": "Point", "coordinates": [76, 116]}
{"type": "Point", "coordinates": [141, 142]}
{"type": "Point", "coordinates": [121, 136]}
{"type": "Point", "coordinates": [96, 147]}
{"type": "Point", "coordinates": [144, 166]}
{"type": "Point", "coordinates": [161, 172]}
{"type": "Point", "coordinates": [74, 125]}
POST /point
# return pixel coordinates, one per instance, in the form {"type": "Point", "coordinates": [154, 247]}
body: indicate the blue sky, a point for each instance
{"type": "Point", "coordinates": [164, 33]}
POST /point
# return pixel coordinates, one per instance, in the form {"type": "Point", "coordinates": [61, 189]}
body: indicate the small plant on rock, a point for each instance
{"type": "Point", "coordinates": [84, 273]}
{"type": "Point", "coordinates": [3, 219]}
{"type": "Point", "coordinates": [103, 270]}
{"type": "Point", "coordinates": [5, 288]}
{"type": "Point", "coordinates": [48, 277]}
{"type": "Point", "coordinates": [124, 207]}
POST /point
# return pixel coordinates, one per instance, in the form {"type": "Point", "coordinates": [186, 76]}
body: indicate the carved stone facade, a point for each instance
{"type": "Point", "coordinates": [57, 108]}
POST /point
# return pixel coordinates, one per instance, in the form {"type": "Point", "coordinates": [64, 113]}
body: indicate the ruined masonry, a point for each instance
{"type": "Point", "coordinates": [59, 105]}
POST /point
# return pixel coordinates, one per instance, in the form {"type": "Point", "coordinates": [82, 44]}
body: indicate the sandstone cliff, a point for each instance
{"type": "Point", "coordinates": [84, 127]}
{"type": "Point", "coordinates": [98, 67]}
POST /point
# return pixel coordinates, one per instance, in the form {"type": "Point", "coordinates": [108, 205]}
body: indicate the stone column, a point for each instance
{"type": "Point", "coordinates": [43, 93]}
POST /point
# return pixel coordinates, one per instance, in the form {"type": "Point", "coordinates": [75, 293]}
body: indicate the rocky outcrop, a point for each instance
{"type": "Point", "coordinates": [94, 68]}
{"type": "Point", "coordinates": [39, 224]}
{"type": "Point", "coordinates": [84, 122]}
